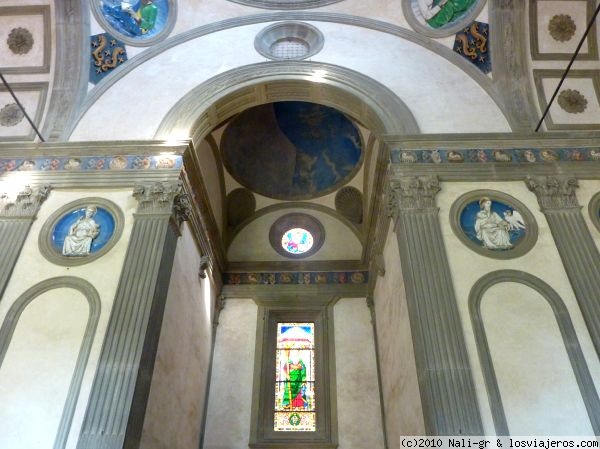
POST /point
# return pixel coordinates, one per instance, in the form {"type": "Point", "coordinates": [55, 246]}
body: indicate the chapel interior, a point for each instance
{"type": "Point", "coordinates": [297, 224]}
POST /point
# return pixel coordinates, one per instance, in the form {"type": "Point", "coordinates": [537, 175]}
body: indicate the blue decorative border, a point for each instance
{"type": "Point", "coordinates": [505, 156]}
{"type": "Point", "coordinates": [297, 277]}
{"type": "Point", "coordinates": [91, 163]}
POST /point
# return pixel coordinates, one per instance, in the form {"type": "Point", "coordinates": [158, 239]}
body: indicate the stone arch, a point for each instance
{"type": "Point", "coordinates": [12, 318]}
{"type": "Point", "coordinates": [567, 331]}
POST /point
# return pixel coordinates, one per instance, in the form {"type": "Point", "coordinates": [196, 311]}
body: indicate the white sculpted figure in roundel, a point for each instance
{"type": "Point", "coordinates": [491, 229]}
{"type": "Point", "coordinates": [78, 241]}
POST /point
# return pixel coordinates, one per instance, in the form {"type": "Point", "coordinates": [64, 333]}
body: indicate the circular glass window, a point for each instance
{"type": "Point", "coordinates": [297, 241]}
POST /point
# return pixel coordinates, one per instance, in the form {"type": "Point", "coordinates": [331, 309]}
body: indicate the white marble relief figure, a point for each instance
{"type": "Point", "coordinates": [491, 229]}
{"type": "Point", "coordinates": [78, 241]}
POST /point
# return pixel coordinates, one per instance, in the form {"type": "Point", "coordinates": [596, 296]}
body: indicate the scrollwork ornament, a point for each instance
{"type": "Point", "coordinates": [182, 208]}
{"type": "Point", "coordinates": [26, 204]}
{"type": "Point", "coordinates": [157, 198]}
{"type": "Point", "coordinates": [554, 192]}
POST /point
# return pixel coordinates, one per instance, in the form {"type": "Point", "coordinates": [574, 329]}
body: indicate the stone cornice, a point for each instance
{"type": "Point", "coordinates": [25, 205]}
{"type": "Point", "coordinates": [554, 192]}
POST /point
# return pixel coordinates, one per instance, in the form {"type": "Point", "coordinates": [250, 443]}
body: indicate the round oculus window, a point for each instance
{"type": "Point", "coordinates": [297, 241]}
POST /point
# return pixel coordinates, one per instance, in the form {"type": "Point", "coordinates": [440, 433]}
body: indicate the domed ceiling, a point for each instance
{"type": "Point", "coordinates": [291, 150]}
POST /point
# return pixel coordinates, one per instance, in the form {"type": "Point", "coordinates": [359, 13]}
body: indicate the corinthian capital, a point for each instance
{"type": "Point", "coordinates": [157, 198]}
{"type": "Point", "coordinates": [26, 204]}
{"type": "Point", "coordinates": [554, 192]}
{"type": "Point", "coordinates": [411, 193]}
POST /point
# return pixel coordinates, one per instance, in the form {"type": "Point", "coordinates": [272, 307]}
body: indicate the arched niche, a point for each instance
{"type": "Point", "coordinates": [516, 334]}
{"type": "Point", "coordinates": [45, 340]}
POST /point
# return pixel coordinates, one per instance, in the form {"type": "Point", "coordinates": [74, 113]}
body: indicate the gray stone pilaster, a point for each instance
{"type": "Point", "coordinates": [116, 409]}
{"type": "Point", "coordinates": [558, 201]}
{"type": "Point", "coordinates": [15, 220]}
{"type": "Point", "coordinates": [445, 381]}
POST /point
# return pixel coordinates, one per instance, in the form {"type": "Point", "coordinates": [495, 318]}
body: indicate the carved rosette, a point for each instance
{"type": "Point", "coordinates": [20, 41]}
{"type": "Point", "coordinates": [159, 198]}
{"type": "Point", "coordinates": [26, 204]}
{"type": "Point", "coordinates": [411, 193]}
{"type": "Point", "coordinates": [554, 192]}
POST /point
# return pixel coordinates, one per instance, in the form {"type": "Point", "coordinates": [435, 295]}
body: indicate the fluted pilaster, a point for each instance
{"type": "Point", "coordinates": [445, 381]}
{"type": "Point", "coordinates": [114, 416]}
{"type": "Point", "coordinates": [16, 217]}
{"type": "Point", "coordinates": [558, 201]}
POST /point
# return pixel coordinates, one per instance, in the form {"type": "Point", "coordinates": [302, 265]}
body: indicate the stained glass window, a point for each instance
{"type": "Point", "coordinates": [295, 377]}
{"type": "Point", "coordinates": [297, 241]}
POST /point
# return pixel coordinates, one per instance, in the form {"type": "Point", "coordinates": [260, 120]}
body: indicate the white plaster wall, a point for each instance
{"type": "Point", "coordinates": [177, 70]}
{"type": "Point", "coordinates": [540, 394]}
{"type": "Point", "coordinates": [177, 394]}
{"type": "Point", "coordinates": [39, 364]}
{"type": "Point", "coordinates": [543, 261]}
{"type": "Point", "coordinates": [401, 396]}
{"type": "Point", "coordinates": [252, 242]}
{"type": "Point", "coordinates": [103, 273]}
{"type": "Point", "coordinates": [212, 181]}
{"type": "Point", "coordinates": [356, 377]}
{"type": "Point", "coordinates": [230, 398]}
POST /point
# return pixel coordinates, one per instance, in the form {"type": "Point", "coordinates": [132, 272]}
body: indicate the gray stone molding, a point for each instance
{"type": "Point", "coordinates": [304, 293]}
{"type": "Point", "coordinates": [445, 382]}
{"type": "Point", "coordinates": [26, 204]}
{"type": "Point", "coordinates": [569, 336]}
{"type": "Point", "coordinates": [303, 32]}
{"type": "Point", "coordinates": [445, 31]}
{"type": "Point", "coordinates": [117, 403]}
{"type": "Point", "coordinates": [522, 247]}
{"type": "Point", "coordinates": [311, 16]}
{"type": "Point", "coordinates": [171, 19]}
{"type": "Point", "coordinates": [286, 4]}
{"type": "Point", "coordinates": [577, 249]}
{"type": "Point", "coordinates": [554, 192]}
{"type": "Point", "coordinates": [296, 220]}
{"type": "Point", "coordinates": [36, 116]}
{"type": "Point", "coordinates": [592, 39]}
{"type": "Point", "coordinates": [12, 319]}
{"type": "Point", "coordinates": [31, 10]}
{"type": "Point", "coordinates": [45, 236]}
{"type": "Point", "coordinates": [15, 221]}
{"type": "Point", "coordinates": [70, 82]}
{"type": "Point", "coordinates": [594, 210]}
{"type": "Point", "coordinates": [541, 74]}
{"type": "Point", "coordinates": [512, 75]}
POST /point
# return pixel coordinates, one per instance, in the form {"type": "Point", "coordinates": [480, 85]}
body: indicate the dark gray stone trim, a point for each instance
{"type": "Point", "coordinates": [69, 86]}
{"type": "Point", "coordinates": [526, 243]}
{"type": "Point", "coordinates": [45, 236]}
{"type": "Point", "coordinates": [576, 357]}
{"type": "Point", "coordinates": [296, 220]}
{"type": "Point", "coordinates": [594, 210]}
{"type": "Point", "coordinates": [36, 116]}
{"type": "Point", "coordinates": [592, 40]}
{"type": "Point", "coordinates": [577, 249]}
{"type": "Point", "coordinates": [15, 220]}
{"type": "Point", "coordinates": [29, 10]}
{"type": "Point", "coordinates": [539, 75]}
{"type": "Point", "coordinates": [172, 18]}
{"type": "Point", "coordinates": [304, 294]}
{"type": "Point", "coordinates": [512, 75]}
{"type": "Point", "coordinates": [117, 402]}
{"type": "Point", "coordinates": [10, 323]}
{"type": "Point", "coordinates": [299, 265]}
{"type": "Point", "coordinates": [445, 31]}
{"type": "Point", "coordinates": [395, 121]}
{"type": "Point", "coordinates": [287, 5]}
{"type": "Point", "coordinates": [446, 385]}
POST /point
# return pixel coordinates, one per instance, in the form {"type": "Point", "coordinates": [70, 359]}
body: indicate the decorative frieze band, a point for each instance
{"type": "Point", "coordinates": [26, 204]}
{"type": "Point", "coordinates": [554, 192]}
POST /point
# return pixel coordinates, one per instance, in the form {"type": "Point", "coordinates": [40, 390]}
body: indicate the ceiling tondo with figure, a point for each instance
{"type": "Point", "coordinates": [292, 150]}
